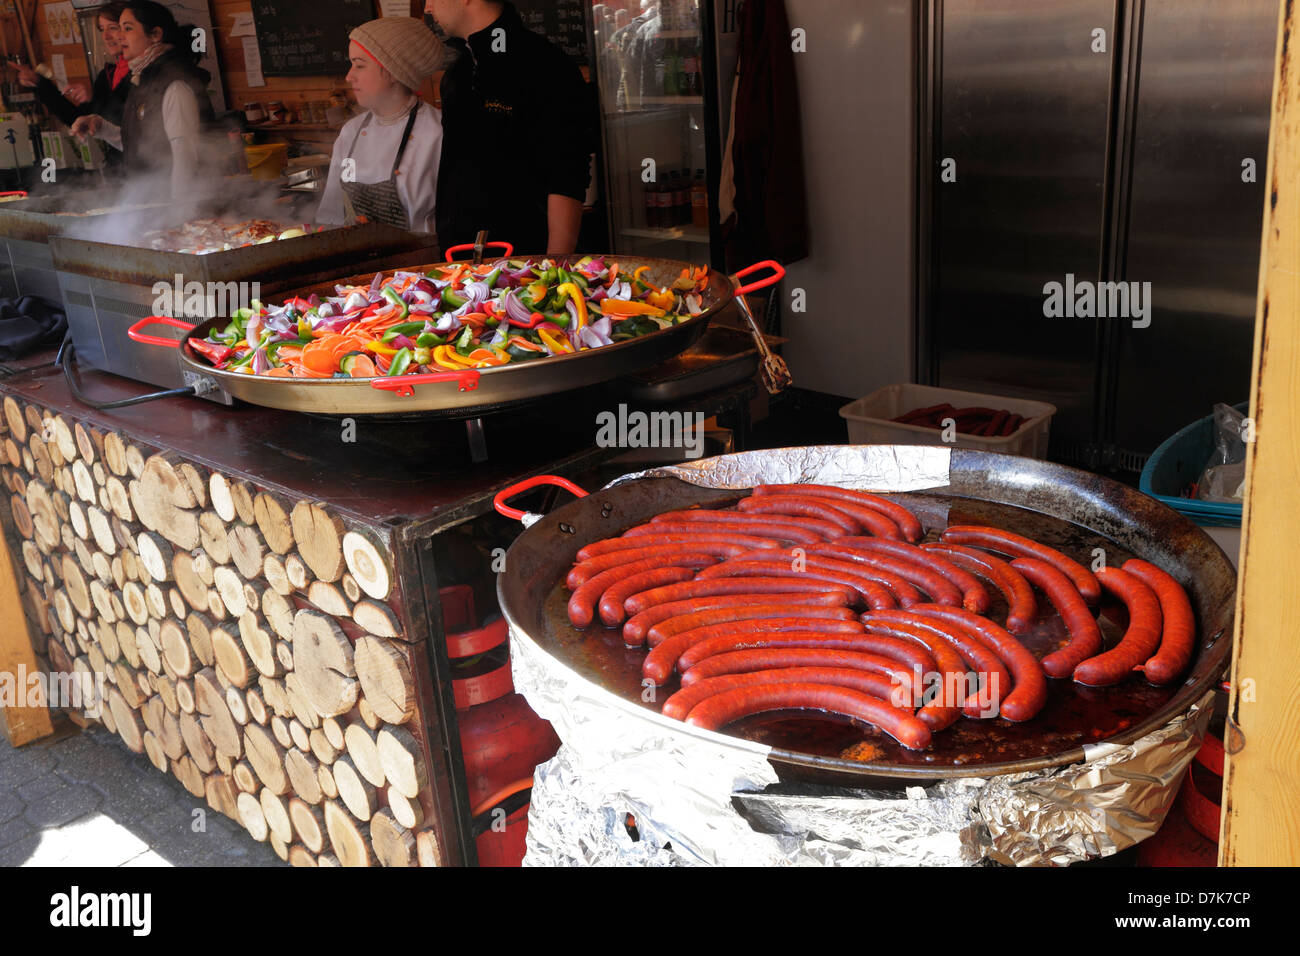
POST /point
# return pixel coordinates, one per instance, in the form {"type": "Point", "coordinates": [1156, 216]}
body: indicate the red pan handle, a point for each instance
{"type": "Point", "coordinates": [402, 384]}
{"type": "Point", "coordinates": [778, 273]}
{"type": "Point", "coordinates": [505, 493]}
{"type": "Point", "coordinates": [20, 193]}
{"type": "Point", "coordinates": [135, 335]}
{"type": "Point", "coordinates": [509, 249]}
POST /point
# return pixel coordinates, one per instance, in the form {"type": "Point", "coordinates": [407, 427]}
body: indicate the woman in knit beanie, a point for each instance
{"type": "Point", "coordinates": [385, 162]}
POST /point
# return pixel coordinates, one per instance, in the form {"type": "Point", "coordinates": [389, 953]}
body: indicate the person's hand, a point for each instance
{"type": "Point", "coordinates": [75, 93]}
{"type": "Point", "coordinates": [26, 75]}
{"type": "Point", "coordinates": [86, 126]}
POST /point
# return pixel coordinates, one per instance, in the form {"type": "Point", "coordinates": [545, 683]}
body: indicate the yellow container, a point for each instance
{"type": "Point", "coordinates": [267, 161]}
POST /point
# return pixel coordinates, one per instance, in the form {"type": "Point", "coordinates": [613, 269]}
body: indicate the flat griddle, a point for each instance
{"type": "Point", "coordinates": [1068, 509]}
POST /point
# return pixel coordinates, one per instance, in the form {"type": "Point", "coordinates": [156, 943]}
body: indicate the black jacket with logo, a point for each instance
{"type": "Point", "coordinates": [518, 125]}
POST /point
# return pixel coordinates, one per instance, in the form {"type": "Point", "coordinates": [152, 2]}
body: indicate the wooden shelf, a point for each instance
{"type": "Point", "coordinates": [673, 234]}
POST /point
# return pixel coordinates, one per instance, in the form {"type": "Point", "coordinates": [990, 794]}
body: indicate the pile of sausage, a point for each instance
{"type": "Point", "coordinates": [972, 420]}
{"type": "Point", "coordinates": [817, 597]}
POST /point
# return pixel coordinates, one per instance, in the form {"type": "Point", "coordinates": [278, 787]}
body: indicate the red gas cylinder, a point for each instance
{"type": "Point", "coordinates": [1190, 835]}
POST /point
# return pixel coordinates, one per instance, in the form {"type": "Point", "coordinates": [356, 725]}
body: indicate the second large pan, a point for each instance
{"type": "Point", "coordinates": [473, 392]}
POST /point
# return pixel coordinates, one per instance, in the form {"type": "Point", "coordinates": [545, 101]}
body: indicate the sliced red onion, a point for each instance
{"type": "Point", "coordinates": [604, 327]}
{"type": "Point", "coordinates": [477, 291]}
{"type": "Point", "coordinates": [253, 331]}
{"type": "Point", "coordinates": [400, 341]}
{"type": "Point", "coordinates": [514, 308]}
{"type": "Point", "coordinates": [600, 293]}
{"type": "Point", "coordinates": [573, 313]}
{"type": "Point", "coordinates": [693, 303]}
{"type": "Point", "coordinates": [591, 338]}
{"type": "Point", "coordinates": [500, 337]}
{"type": "Point", "coordinates": [355, 302]}
{"type": "Point", "coordinates": [325, 309]}
{"type": "Point", "coordinates": [375, 285]}
{"type": "Point", "coordinates": [260, 362]}
{"type": "Point", "coordinates": [447, 323]}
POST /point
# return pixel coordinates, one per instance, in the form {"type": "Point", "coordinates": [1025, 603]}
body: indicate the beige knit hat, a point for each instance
{"type": "Point", "coordinates": [403, 46]}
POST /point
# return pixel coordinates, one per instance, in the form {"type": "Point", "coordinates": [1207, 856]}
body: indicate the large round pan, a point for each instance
{"type": "Point", "coordinates": [1066, 508]}
{"type": "Point", "coordinates": [475, 391]}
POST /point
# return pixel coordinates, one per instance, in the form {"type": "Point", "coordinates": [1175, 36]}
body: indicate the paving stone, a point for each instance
{"type": "Point", "coordinates": [91, 840]}
{"type": "Point", "coordinates": [33, 790]}
{"type": "Point", "coordinates": [11, 805]}
{"type": "Point", "coordinates": [14, 831]}
{"type": "Point", "coordinates": [19, 852]}
{"type": "Point", "coordinates": [27, 764]}
{"type": "Point", "coordinates": [62, 806]}
{"type": "Point", "coordinates": [147, 858]}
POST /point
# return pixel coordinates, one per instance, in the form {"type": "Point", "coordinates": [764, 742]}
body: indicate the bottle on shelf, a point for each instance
{"type": "Point", "coordinates": [651, 205]}
{"type": "Point", "coordinates": [699, 201]}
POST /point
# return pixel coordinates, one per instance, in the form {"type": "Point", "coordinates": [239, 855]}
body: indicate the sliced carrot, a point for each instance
{"type": "Point", "coordinates": [318, 358]}
{"type": "Point", "coordinates": [279, 371]}
{"type": "Point", "coordinates": [302, 371]}
{"type": "Point", "coordinates": [363, 367]}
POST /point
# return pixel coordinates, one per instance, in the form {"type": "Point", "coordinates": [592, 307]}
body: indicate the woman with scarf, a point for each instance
{"type": "Point", "coordinates": [167, 106]}
{"type": "Point", "coordinates": [385, 162]}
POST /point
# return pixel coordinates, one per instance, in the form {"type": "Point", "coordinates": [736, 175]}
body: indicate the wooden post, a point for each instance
{"type": "Point", "coordinates": [1261, 786]}
{"type": "Point", "coordinates": [20, 724]}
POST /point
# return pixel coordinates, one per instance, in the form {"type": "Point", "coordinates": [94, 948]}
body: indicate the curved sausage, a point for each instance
{"type": "Point", "coordinates": [580, 573]}
{"type": "Point", "coordinates": [1029, 691]}
{"type": "Point", "coordinates": [608, 545]}
{"type": "Point", "coordinates": [660, 662]}
{"type": "Point", "coordinates": [939, 588]}
{"type": "Point", "coordinates": [688, 589]}
{"type": "Point", "coordinates": [740, 639]}
{"type": "Point", "coordinates": [983, 701]}
{"type": "Point", "coordinates": [889, 671]}
{"type": "Point", "coordinates": [905, 520]}
{"type": "Point", "coordinates": [953, 690]}
{"type": "Point", "coordinates": [1140, 640]}
{"type": "Point", "coordinates": [873, 594]}
{"type": "Point", "coordinates": [639, 625]}
{"type": "Point", "coordinates": [582, 602]}
{"type": "Point", "coordinates": [721, 709]}
{"type": "Point", "coordinates": [826, 529]}
{"type": "Point", "coordinates": [860, 517]}
{"type": "Point", "coordinates": [1085, 635]}
{"type": "Point", "coordinates": [903, 590]}
{"type": "Point", "coordinates": [1178, 634]}
{"type": "Point", "coordinates": [611, 602]}
{"type": "Point", "coordinates": [791, 534]}
{"type": "Point", "coordinates": [801, 506]}
{"type": "Point", "coordinates": [680, 704]}
{"type": "Point", "coordinates": [1022, 609]}
{"type": "Point", "coordinates": [973, 596]}
{"type": "Point", "coordinates": [1021, 547]}
{"type": "Point", "coordinates": [744, 611]}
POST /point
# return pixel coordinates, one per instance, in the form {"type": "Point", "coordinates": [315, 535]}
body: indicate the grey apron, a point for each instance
{"type": "Point", "coordinates": [378, 202]}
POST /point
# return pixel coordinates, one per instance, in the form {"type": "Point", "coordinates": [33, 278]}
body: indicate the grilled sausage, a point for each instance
{"type": "Point", "coordinates": [904, 519]}
{"type": "Point", "coordinates": [680, 704]}
{"type": "Point", "coordinates": [873, 594]}
{"type": "Point", "coordinates": [1085, 635]}
{"type": "Point", "coordinates": [792, 534]}
{"type": "Point", "coordinates": [1178, 633]}
{"type": "Point", "coordinates": [939, 588]}
{"type": "Point", "coordinates": [1141, 639]}
{"type": "Point", "coordinates": [584, 570]}
{"type": "Point", "coordinates": [582, 603]}
{"type": "Point", "coordinates": [893, 674]}
{"type": "Point", "coordinates": [744, 611]}
{"type": "Point", "coordinates": [660, 662]}
{"type": "Point", "coordinates": [973, 596]}
{"type": "Point", "coordinates": [1022, 609]}
{"type": "Point", "coordinates": [944, 708]}
{"type": "Point", "coordinates": [597, 548]}
{"type": "Point", "coordinates": [827, 529]}
{"type": "Point", "coordinates": [639, 625]}
{"type": "Point", "coordinates": [1029, 691]}
{"type": "Point", "coordinates": [688, 589]}
{"type": "Point", "coordinates": [1019, 546]}
{"type": "Point", "coordinates": [799, 506]}
{"type": "Point", "coordinates": [904, 592]}
{"type": "Point", "coordinates": [719, 710]}
{"type": "Point", "coordinates": [611, 602]}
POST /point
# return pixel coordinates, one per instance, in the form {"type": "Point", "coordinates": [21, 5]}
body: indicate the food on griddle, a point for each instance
{"type": "Point", "coordinates": [203, 236]}
{"type": "Point", "coordinates": [973, 420]}
{"type": "Point", "coordinates": [760, 608]}
{"type": "Point", "coordinates": [454, 318]}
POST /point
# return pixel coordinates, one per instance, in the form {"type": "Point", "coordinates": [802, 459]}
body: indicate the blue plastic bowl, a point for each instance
{"type": "Point", "coordinates": [1177, 463]}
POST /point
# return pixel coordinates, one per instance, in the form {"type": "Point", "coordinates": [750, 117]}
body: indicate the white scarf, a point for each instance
{"type": "Point", "coordinates": [141, 62]}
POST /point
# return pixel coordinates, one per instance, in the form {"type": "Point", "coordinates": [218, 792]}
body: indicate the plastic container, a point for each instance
{"type": "Point", "coordinates": [267, 161]}
{"type": "Point", "coordinates": [869, 420]}
{"type": "Point", "coordinates": [1177, 463]}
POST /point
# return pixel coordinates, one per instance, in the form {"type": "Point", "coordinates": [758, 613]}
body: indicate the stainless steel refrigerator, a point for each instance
{"type": "Point", "coordinates": [1087, 142]}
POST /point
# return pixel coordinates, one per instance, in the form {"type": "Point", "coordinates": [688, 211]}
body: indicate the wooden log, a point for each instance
{"type": "Point", "coordinates": [308, 823]}
{"type": "Point", "coordinates": [368, 715]}
{"type": "Point", "coordinates": [301, 769]}
{"type": "Point", "coordinates": [351, 590]}
{"type": "Point", "coordinates": [259, 646]}
{"type": "Point", "coordinates": [41, 458]}
{"type": "Point", "coordinates": [155, 601]}
{"type": "Point", "coordinates": [214, 537]}
{"type": "Point", "coordinates": [298, 733]}
{"type": "Point", "coordinates": [175, 648]}
{"type": "Point", "coordinates": [153, 750]}
{"type": "Point", "coordinates": [357, 793]}
{"type": "Point", "coordinates": [300, 856]}
{"type": "Point", "coordinates": [197, 743]}
{"type": "Point", "coordinates": [14, 418]}
{"type": "Point", "coordinates": [278, 613]}
{"type": "Point", "coordinates": [246, 550]}
{"type": "Point", "coordinates": [273, 522]}
{"type": "Point", "coordinates": [222, 796]}
{"type": "Point", "coordinates": [377, 619]}
{"type": "Point", "coordinates": [319, 536]}
{"type": "Point", "coordinates": [133, 600]}
{"type": "Point", "coordinates": [162, 502]}
{"type": "Point", "coordinates": [188, 774]}
{"type": "Point", "coordinates": [298, 702]}
{"type": "Point", "coordinates": [246, 778]}
{"type": "Point", "coordinates": [45, 522]}
{"type": "Point", "coordinates": [328, 859]}
{"type": "Point", "coordinates": [204, 567]}
{"type": "Point", "coordinates": [402, 760]}
{"type": "Point", "coordinates": [276, 810]}
{"type": "Point", "coordinates": [276, 698]}
{"type": "Point", "coordinates": [273, 571]}
{"type": "Point", "coordinates": [351, 848]}
{"type": "Point", "coordinates": [284, 654]}
{"type": "Point", "coordinates": [329, 599]}
{"type": "Point", "coordinates": [267, 757]}
{"type": "Point", "coordinates": [185, 696]}
{"type": "Point", "coordinates": [177, 603]}
{"type": "Point", "coordinates": [256, 706]}
{"type": "Point", "coordinates": [101, 530]}
{"type": "Point", "coordinates": [119, 499]}
{"type": "Point", "coordinates": [83, 483]}
{"type": "Point", "coordinates": [188, 581]}
{"type": "Point", "coordinates": [323, 750]}
{"type": "Point", "coordinates": [219, 492]}
{"type": "Point", "coordinates": [252, 817]}
{"type": "Point", "coordinates": [155, 555]}
{"type": "Point", "coordinates": [216, 607]}
{"type": "Point", "coordinates": [363, 750]}
{"type": "Point", "coordinates": [199, 629]}
{"type": "Point", "coordinates": [85, 444]}
{"type": "Point", "coordinates": [296, 571]}
{"type": "Point", "coordinates": [386, 681]}
{"type": "Point", "coordinates": [193, 478]}
{"type": "Point", "coordinates": [428, 852]}
{"type": "Point", "coordinates": [242, 497]}
{"type": "Point", "coordinates": [325, 776]}
{"type": "Point", "coordinates": [214, 715]}
{"type": "Point", "coordinates": [166, 688]}
{"type": "Point", "coordinates": [280, 730]}
{"type": "Point", "coordinates": [126, 720]}
{"type": "Point", "coordinates": [394, 845]}
{"type": "Point", "coordinates": [232, 659]}
{"type": "Point", "coordinates": [368, 564]}
{"type": "Point", "coordinates": [323, 662]}
{"type": "Point", "coordinates": [237, 703]}
{"type": "Point", "coordinates": [409, 813]}
{"type": "Point", "coordinates": [115, 453]}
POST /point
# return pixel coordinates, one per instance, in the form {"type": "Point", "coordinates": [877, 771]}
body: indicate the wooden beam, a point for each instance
{"type": "Point", "coordinates": [1261, 792]}
{"type": "Point", "coordinates": [20, 724]}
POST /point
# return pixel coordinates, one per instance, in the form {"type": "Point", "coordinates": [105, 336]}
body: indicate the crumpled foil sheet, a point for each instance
{"type": "Point", "coordinates": [702, 798]}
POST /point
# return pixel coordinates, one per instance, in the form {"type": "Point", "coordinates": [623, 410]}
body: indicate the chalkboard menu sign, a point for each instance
{"type": "Point", "coordinates": [298, 38]}
{"type": "Point", "coordinates": [563, 22]}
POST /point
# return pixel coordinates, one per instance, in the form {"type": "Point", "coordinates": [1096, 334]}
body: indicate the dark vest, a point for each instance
{"type": "Point", "coordinates": [145, 145]}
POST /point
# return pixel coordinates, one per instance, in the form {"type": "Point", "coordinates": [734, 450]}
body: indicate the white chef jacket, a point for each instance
{"type": "Point", "coordinates": [374, 152]}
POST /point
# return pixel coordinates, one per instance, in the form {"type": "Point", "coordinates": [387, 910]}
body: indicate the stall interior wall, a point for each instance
{"type": "Point", "coordinates": [858, 104]}
{"type": "Point", "coordinates": [1082, 142]}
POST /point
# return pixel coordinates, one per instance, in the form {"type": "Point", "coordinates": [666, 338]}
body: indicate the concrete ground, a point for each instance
{"type": "Point", "coordinates": [84, 800]}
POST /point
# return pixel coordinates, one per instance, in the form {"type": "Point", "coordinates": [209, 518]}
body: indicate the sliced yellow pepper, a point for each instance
{"type": "Point", "coordinates": [625, 307]}
{"type": "Point", "coordinates": [662, 300]}
{"type": "Point", "coordinates": [557, 343]}
{"type": "Point", "coordinates": [636, 273]}
{"type": "Point", "coordinates": [379, 348]}
{"type": "Point", "coordinates": [575, 295]}
{"type": "Point", "coordinates": [448, 357]}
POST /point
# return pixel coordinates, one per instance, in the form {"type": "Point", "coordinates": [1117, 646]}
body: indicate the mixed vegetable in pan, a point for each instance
{"type": "Point", "coordinates": [454, 317]}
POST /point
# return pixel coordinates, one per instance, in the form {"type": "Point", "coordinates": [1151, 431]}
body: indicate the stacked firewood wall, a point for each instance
{"type": "Point", "coordinates": [250, 645]}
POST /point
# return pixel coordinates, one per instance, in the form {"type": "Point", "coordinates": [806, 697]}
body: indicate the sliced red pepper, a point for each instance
{"type": "Point", "coordinates": [216, 354]}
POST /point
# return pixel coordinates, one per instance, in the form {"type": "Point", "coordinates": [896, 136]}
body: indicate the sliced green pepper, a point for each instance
{"type": "Point", "coordinates": [450, 298]}
{"type": "Point", "coordinates": [400, 362]}
{"type": "Point", "coordinates": [388, 293]}
{"type": "Point", "coordinates": [428, 340]}
{"type": "Point", "coordinates": [463, 340]}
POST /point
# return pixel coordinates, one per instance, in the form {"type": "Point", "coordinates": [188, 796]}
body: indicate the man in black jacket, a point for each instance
{"type": "Point", "coordinates": [518, 132]}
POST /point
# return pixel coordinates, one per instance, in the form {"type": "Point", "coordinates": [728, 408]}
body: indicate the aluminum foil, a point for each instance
{"type": "Point", "coordinates": [702, 798]}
